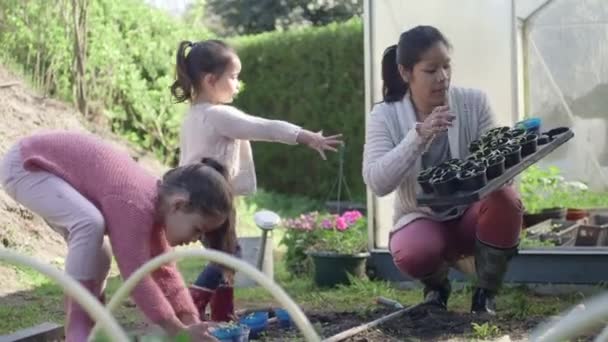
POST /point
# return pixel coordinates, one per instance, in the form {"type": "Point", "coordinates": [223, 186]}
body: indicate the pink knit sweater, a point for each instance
{"type": "Point", "coordinates": [126, 195]}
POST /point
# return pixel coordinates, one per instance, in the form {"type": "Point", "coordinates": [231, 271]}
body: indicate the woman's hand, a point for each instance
{"type": "Point", "coordinates": [318, 142]}
{"type": "Point", "coordinates": [438, 121]}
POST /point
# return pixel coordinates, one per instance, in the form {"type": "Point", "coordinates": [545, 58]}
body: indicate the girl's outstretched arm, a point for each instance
{"type": "Point", "coordinates": [235, 124]}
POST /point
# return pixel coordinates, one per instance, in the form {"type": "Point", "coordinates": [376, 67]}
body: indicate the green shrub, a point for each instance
{"type": "Point", "coordinates": [314, 78]}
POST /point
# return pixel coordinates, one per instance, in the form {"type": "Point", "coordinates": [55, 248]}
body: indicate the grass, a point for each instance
{"type": "Point", "coordinates": [41, 300]}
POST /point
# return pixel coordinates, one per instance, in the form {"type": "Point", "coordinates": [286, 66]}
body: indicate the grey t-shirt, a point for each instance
{"type": "Point", "coordinates": [438, 152]}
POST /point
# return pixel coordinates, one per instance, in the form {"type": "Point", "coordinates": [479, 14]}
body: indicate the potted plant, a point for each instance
{"type": "Point", "coordinates": [495, 165]}
{"type": "Point", "coordinates": [298, 238]}
{"type": "Point", "coordinates": [512, 154]}
{"type": "Point", "coordinates": [516, 132]}
{"type": "Point", "coordinates": [446, 183]}
{"type": "Point", "coordinates": [339, 248]}
{"type": "Point", "coordinates": [424, 178]}
{"type": "Point", "coordinates": [472, 176]}
{"type": "Point", "coordinates": [543, 194]}
{"type": "Point", "coordinates": [528, 143]}
{"type": "Point", "coordinates": [498, 143]}
{"type": "Point", "coordinates": [498, 131]}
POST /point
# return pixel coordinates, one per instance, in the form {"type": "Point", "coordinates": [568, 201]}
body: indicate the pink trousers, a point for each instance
{"type": "Point", "coordinates": [422, 246]}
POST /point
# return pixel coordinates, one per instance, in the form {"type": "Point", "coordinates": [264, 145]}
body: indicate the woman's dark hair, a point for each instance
{"type": "Point", "coordinates": [412, 44]}
{"type": "Point", "coordinates": [204, 57]}
{"type": "Point", "coordinates": [208, 187]}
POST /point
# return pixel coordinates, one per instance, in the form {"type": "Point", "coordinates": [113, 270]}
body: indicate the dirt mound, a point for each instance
{"type": "Point", "coordinates": [23, 112]}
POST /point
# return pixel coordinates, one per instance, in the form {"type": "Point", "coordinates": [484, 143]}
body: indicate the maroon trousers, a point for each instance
{"type": "Point", "coordinates": [422, 246]}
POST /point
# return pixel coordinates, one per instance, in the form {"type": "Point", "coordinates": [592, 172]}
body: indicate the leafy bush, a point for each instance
{"type": "Point", "coordinates": [314, 78]}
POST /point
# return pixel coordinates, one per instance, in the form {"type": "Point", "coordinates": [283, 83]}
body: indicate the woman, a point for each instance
{"type": "Point", "coordinates": [422, 122]}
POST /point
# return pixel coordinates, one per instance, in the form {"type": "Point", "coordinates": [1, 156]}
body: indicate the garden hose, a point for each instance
{"type": "Point", "coordinates": [73, 289]}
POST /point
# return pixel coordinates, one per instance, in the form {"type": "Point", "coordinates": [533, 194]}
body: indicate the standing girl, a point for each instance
{"type": "Point", "coordinates": [208, 76]}
{"type": "Point", "coordinates": [84, 188]}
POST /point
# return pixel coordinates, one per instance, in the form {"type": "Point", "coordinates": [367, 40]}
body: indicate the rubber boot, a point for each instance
{"type": "Point", "coordinates": [222, 304]}
{"type": "Point", "coordinates": [201, 297]}
{"type": "Point", "coordinates": [437, 287]}
{"type": "Point", "coordinates": [491, 265]}
{"type": "Point", "coordinates": [78, 323]}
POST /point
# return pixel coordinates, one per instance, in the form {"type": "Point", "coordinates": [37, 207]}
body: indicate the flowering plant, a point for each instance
{"type": "Point", "coordinates": [316, 232]}
{"type": "Point", "coordinates": [342, 234]}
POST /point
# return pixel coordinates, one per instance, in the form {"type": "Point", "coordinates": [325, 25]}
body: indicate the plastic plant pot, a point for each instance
{"type": "Point", "coordinates": [512, 155]}
{"type": "Point", "coordinates": [529, 144]}
{"type": "Point", "coordinates": [517, 132]}
{"type": "Point", "coordinates": [445, 184]}
{"type": "Point", "coordinates": [495, 166]}
{"type": "Point", "coordinates": [231, 332]}
{"type": "Point", "coordinates": [472, 177]}
{"type": "Point", "coordinates": [543, 139]}
{"type": "Point", "coordinates": [424, 180]}
{"type": "Point", "coordinates": [257, 322]}
{"type": "Point", "coordinates": [283, 318]}
{"type": "Point", "coordinates": [557, 131]}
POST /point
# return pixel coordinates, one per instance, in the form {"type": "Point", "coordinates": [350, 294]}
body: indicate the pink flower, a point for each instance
{"type": "Point", "coordinates": [341, 224]}
{"type": "Point", "coordinates": [327, 224]}
{"type": "Point", "coordinates": [352, 216]}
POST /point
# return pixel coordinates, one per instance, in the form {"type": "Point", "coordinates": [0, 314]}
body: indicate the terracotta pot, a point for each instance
{"type": "Point", "coordinates": [574, 214]}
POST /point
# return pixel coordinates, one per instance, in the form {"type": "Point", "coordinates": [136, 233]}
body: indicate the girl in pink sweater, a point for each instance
{"type": "Point", "coordinates": [208, 77]}
{"type": "Point", "coordinates": [84, 188]}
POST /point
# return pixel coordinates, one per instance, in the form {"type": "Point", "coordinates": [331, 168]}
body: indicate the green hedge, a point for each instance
{"type": "Point", "coordinates": [314, 78]}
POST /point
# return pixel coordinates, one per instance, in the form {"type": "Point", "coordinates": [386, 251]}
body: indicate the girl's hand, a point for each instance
{"type": "Point", "coordinates": [200, 332]}
{"type": "Point", "coordinates": [188, 318]}
{"type": "Point", "coordinates": [438, 121]}
{"type": "Point", "coordinates": [320, 143]}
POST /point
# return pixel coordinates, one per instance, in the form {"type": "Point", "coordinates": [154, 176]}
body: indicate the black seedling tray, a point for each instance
{"type": "Point", "coordinates": [468, 197]}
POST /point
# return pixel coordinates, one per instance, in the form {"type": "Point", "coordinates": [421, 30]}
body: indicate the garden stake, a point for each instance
{"type": "Point", "coordinates": [389, 302]}
{"type": "Point", "coordinates": [265, 220]}
{"type": "Point", "coordinates": [358, 329]}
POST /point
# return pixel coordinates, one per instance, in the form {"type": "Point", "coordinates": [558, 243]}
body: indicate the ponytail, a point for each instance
{"type": "Point", "coordinates": [393, 85]}
{"type": "Point", "coordinates": [181, 89]}
{"type": "Point", "coordinates": [223, 239]}
{"type": "Point", "coordinates": [204, 57]}
{"type": "Point", "coordinates": [217, 166]}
